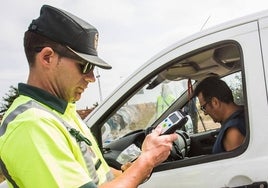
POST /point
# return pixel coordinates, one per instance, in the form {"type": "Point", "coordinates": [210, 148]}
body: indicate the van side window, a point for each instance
{"type": "Point", "coordinates": [171, 89]}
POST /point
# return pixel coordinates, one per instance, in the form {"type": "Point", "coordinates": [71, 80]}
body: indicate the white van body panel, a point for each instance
{"type": "Point", "coordinates": [251, 33]}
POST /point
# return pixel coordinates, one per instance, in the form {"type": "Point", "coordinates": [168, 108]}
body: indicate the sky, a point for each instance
{"type": "Point", "coordinates": [130, 33]}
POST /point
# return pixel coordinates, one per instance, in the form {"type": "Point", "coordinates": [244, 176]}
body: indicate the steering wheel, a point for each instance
{"type": "Point", "coordinates": [181, 146]}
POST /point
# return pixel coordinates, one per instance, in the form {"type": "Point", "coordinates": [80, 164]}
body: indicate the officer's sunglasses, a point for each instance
{"type": "Point", "coordinates": [85, 66]}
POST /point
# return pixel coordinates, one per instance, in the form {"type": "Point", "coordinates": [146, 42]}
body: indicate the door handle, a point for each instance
{"type": "Point", "coordinates": [261, 184]}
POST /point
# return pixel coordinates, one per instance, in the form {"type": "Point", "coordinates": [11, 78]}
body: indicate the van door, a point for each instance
{"type": "Point", "coordinates": [229, 169]}
{"type": "Point", "coordinates": [263, 24]}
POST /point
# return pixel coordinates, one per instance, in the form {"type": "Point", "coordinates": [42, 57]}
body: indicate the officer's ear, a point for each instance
{"type": "Point", "coordinates": [46, 55]}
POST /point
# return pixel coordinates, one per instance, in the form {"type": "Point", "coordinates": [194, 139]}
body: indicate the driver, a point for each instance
{"type": "Point", "coordinates": [43, 142]}
{"type": "Point", "coordinates": [216, 100]}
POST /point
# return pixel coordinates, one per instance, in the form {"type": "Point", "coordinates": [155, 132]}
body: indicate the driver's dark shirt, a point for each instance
{"type": "Point", "coordinates": [237, 120]}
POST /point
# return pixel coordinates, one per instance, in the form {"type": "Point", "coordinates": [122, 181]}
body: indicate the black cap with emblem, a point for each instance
{"type": "Point", "coordinates": [71, 31]}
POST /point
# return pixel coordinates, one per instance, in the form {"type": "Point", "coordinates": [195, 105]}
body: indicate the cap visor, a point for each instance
{"type": "Point", "coordinates": [95, 60]}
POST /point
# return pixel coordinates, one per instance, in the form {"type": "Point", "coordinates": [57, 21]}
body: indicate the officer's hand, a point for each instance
{"type": "Point", "coordinates": [157, 148]}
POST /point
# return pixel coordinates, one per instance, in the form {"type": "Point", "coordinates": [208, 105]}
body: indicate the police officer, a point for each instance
{"type": "Point", "coordinates": [43, 142]}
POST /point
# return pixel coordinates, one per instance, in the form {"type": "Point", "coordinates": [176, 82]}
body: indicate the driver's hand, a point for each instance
{"type": "Point", "coordinates": [157, 148]}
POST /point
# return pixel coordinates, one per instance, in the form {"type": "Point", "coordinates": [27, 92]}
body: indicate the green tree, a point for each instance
{"type": "Point", "coordinates": [8, 99]}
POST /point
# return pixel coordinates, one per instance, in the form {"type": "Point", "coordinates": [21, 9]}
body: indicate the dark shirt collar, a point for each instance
{"type": "Point", "coordinates": [239, 112]}
{"type": "Point", "coordinates": [43, 96]}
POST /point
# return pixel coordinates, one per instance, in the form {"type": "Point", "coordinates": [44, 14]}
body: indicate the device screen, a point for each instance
{"type": "Point", "coordinates": [174, 118]}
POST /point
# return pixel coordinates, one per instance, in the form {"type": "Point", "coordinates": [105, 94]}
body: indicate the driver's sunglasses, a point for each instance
{"type": "Point", "coordinates": [85, 66]}
{"type": "Point", "coordinates": [204, 106]}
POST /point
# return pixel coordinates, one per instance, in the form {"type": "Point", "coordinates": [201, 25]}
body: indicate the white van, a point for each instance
{"type": "Point", "coordinates": [236, 51]}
